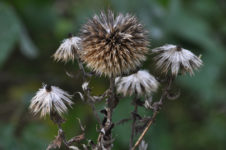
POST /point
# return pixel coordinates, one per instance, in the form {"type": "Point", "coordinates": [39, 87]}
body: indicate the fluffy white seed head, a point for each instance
{"type": "Point", "coordinates": [48, 99]}
{"type": "Point", "coordinates": [141, 83]}
{"type": "Point", "coordinates": [67, 50]}
{"type": "Point", "coordinates": [174, 58]}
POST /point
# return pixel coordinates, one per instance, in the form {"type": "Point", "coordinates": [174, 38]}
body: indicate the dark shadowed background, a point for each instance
{"type": "Point", "coordinates": [31, 31]}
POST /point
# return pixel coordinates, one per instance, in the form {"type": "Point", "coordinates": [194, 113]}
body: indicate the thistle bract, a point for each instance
{"type": "Point", "coordinates": [113, 45]}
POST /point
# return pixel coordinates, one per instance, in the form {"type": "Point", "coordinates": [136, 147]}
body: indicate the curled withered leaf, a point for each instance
{"type": "Point", "coordinates": [104, 121]}
{"type": "Point", "coordinates": [81, 126]}
{"type": "Point", "coordinates": [136, 115]}
{"type": "Point", "coordinates": [123, 121]}
{"type": "Point", "coordinates": [150, 98]}
{"type": "Point", "coordinates": [139, 102]}
{"type": "Point", "coordinates": [139, 128]}
{"type": "Point", "coordinates": [141, 124]}
{"type": "Point", "coordinates": [85, 86]}
{"type": "Point", "coordinates": [69, 74]}
{"type": "Point", "coordinates": [104, 111]}
{"type": "Point", "coordinates": [81, 96]}
{"type": "Point", "coordinates": [75, 139]}
{"type": "Point", "coordinates": [144, 120]}
{"type": "Point", "coordinates": [57, 142]}
{"type": "Point", "coordinates": [173, 96]}
{"type": "Point", "coordinates": [108, 142]}
{"type": "Point", "coordinates": [84, 147]}
{"type": "Point", "coordinates": [108, 130]}
{"type": "Point", "coordinates": [73, 147]}
{"type": "Point", "coordinates": [102, 131]}
{"type": "Point", "coordinates": [148, 102]}
{"type": "Point", "coordinates": [92, 145]}
{"type": "Point", "coordinates": [96, 98]}
{"type": "Point", "coordinates": [143, 145]}
{"type": "Point", "coordinates": [156, 106]}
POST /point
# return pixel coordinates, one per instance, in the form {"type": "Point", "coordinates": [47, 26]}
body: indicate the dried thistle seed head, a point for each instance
{"type": "Point", "coordinates": [174, 58]}
{"type": "Point", "coordinates": [113, 45]}
{"type": "Point", "coordinates": [50, 99]}
{"type": "Point", "coordinates": [67, 50]}
{"type": "Point", "coordinates": [141, 83]}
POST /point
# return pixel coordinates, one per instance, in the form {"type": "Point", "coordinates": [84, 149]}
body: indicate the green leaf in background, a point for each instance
{"type": "Point", "coordinates": [197, 30]}
{"type": "Point", "coordinates": [195, 121]}
{"type": "Point", "coordinates": [12, 31]}
{"type": "Point", "coordinates": [31, 139]}
{"type": "Point", "coordinates": [27, 47]}
{"type": "Point", "coordinates": [9, 30]}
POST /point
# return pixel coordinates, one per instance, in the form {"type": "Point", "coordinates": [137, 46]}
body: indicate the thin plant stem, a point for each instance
{"type": "Point", "coordinates": [111, 103]}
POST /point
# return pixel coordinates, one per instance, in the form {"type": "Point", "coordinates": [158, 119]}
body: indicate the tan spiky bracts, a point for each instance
{"type": "Point", "coordinates": [113, 45]}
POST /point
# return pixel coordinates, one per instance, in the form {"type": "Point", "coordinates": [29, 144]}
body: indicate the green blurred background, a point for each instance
{"type": "Point", "coordinates": [31, 31]}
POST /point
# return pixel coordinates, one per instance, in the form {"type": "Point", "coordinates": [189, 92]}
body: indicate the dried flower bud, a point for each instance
{"type": "Point", "coordinates": [50, 99]}
{"type": "Point", "coordinates": [174, 58]}
{"type": "Point", "coordinates": [113, 45]}
{"type": "Point", "coordinates": [141, 83]}
{"type": "Point", "coordinates": [147, 104]}
{"type": "Point", "coordinates": [67, 50]}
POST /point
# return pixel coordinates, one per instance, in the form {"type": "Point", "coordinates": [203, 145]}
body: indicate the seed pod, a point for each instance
{"type": "Point", "coordinates": [113, 45]}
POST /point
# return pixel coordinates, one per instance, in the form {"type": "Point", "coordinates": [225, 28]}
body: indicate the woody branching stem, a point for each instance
{"type": "Point", "coordinates": [111, 100]}
{"type": "Point", "coordinates": [114, 46]}
{"type": "Point", "coordinates": [60, 138]}
{"type": "Point", "coordinates": [156, 108]}
{"type": "Point", "coordinates": [105, 138]}
{"type": "Point", "coordinates": [134, 121]}
{"type": "Point", "coordinates": [85, 75]}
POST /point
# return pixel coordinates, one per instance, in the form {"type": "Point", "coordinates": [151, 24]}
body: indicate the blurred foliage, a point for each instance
{"type": "Point", "coordinates": [31, 31]}
{"type": "Point", "coordinates": [12, 31]}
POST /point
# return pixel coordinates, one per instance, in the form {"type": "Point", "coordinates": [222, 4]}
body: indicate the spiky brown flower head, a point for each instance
{"type": "Point", "coordinates": [141, 83]}
{"type": "Point", "coordinates": [68, 49]}
{"type": "Point", "coordinates": [50, 99]}
{"type": "Point", "coordinates": [176, 59]}
{"type": "Point", "coordinates": [113, 46]}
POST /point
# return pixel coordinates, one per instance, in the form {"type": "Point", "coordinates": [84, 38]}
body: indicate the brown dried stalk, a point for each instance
{"type": "Point", "coordinates": [60, 138]}
{"type": "Point", "coordinates": [156, 108]}
{"type": "Point", "coordinates": [106, 125]}
{"type": "Point", "coordinates": [134, 121]}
